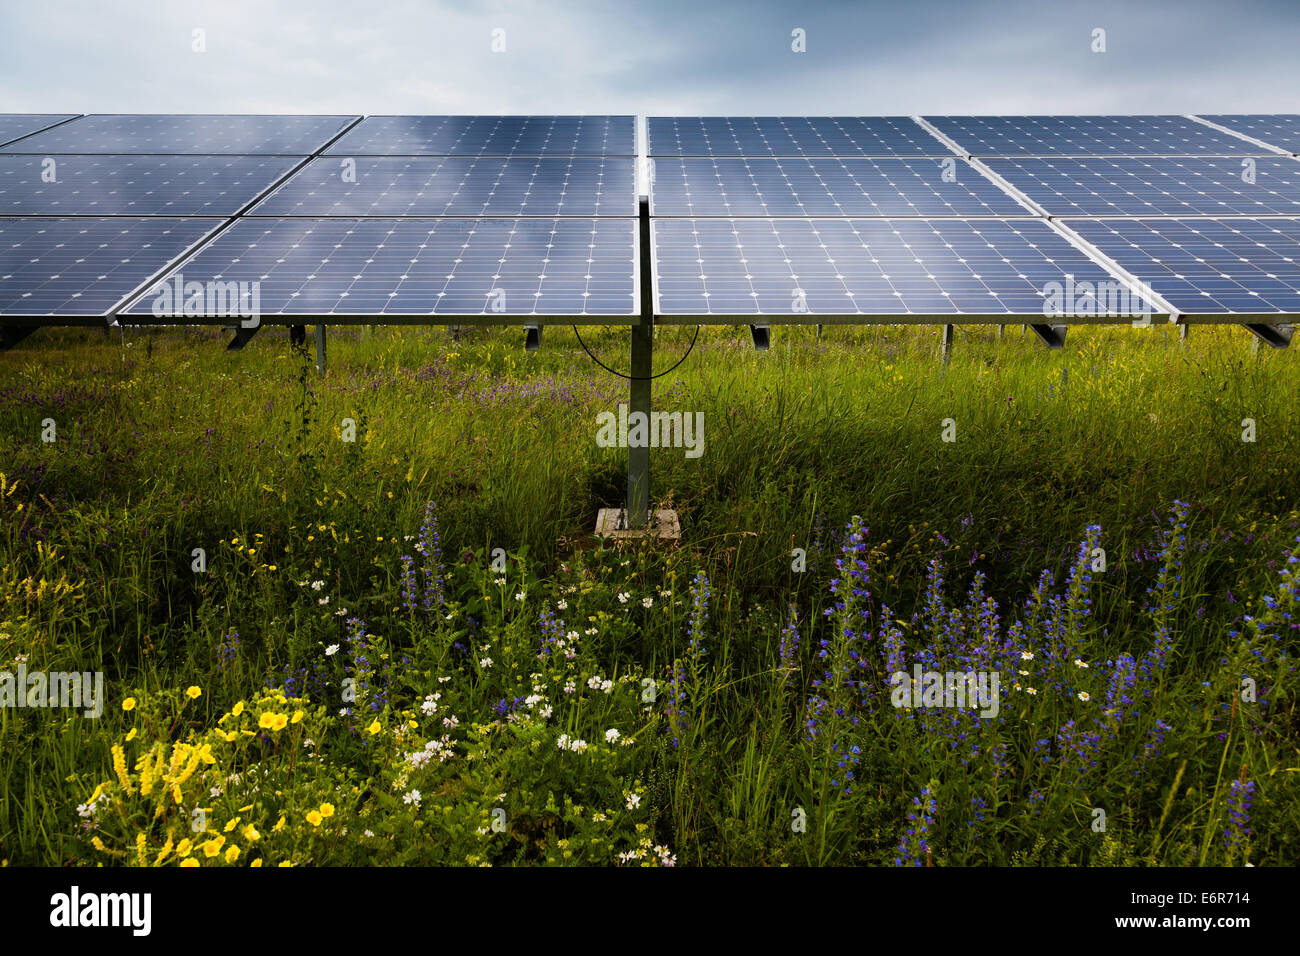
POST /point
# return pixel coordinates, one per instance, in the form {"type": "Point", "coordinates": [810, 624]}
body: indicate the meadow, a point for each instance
{"type": "Point", "coordinates": [408, 648]}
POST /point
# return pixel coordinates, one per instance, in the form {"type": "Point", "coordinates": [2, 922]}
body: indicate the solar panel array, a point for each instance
{"type": "Point", "coordinates": [193, 218]}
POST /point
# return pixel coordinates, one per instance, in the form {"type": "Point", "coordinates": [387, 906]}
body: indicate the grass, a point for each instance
{"type": "Point", "coordinates": [165, 444]}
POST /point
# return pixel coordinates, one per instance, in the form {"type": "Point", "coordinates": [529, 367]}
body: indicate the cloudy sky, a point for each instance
{"type": "Point", "coordinates": [654, 56]}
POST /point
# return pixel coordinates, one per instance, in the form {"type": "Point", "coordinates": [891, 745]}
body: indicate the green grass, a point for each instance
{"type": "Point", "coordinates": [166, 443]}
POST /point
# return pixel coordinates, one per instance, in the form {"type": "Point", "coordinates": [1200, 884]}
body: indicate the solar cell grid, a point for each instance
{"type": "Point", "coordinates": [803, 269]}
{"type": "Point", "coordinates": [15, 125]}
{"type": "Point", "coordinates": [1159, 186]}
{"type": "Point", "coordinates": [406, 268]}
{"type": "Point", "coordinates": [1088, 136]}
{"type": "Point", "coordinates": [1209, 267]}
{"type": "Point", "coordinates": [214, 134]}
{"type": "Point", "coordinates": [825, 187]}
{"type": "Point", "coordinates": [101, 185]}
{"type": "Point", "coordinates": [458, 186]}
{"type": "Point", "coordinates": [1277, 129]}
{"type": "Point", "coordinates": [489, 136]}
{"type": "Point", "coordinates": [778, 136]}
{"type": "Point", "coordinates": [84, 266]}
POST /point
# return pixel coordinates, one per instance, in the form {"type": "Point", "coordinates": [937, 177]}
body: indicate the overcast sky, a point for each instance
{"type": "Point", "coordinates": [657, 56]}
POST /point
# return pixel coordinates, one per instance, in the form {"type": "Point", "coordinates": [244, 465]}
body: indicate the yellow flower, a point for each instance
{"type": "Point", "coordinates": [279, 722]}
{"type": "Point", "coordinates": [257, 862]}
{"type": "Point", "coordinates": [232, 854]}
{"type": "Point", "coordinates": [131, 735]}
{"type": "Point", "coordinates": [327, 809]}
{"type": "Point", "coordinates": [230, 825]}
{"type": "Point", "coordinates": [98, 844]}
{"type": "Point", "coordinates": [213, 847]}
{"type": "Point", "coordinates": [287, 863]}
{"type": "Point", "coordinates": [279, 824]}
{"type": "Point", "coordinates": [250, 833]}
{"type": "Point", "coordinates": [314, 818]}
{"type": "Point", "coordinates": [189, 861]}
{"type": "Point", "coordinates": [297, 717]}
{"type": "Point", "coordinates": [119, 767]}
{"type": "Point", "coordinates": [128, 704]}
{"type": "Point", "coordinates": [266, 720]}
{"type": "Point", "coordinates": [238, 708]}
{"type": "Point", "coordinates": [374, 727]}
{"type": "Point", "coordinates": [193, 692]}
{"type": "Point", "coordinates": [184, 847]}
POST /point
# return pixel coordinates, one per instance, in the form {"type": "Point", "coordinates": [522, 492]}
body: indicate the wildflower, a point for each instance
{"type": "Point", "coordinates": [128, 704]}
{"type": "Point", "coordinates": [1084, 696]}
{"type": "Point", "coordinates": [232, 854]}
{"type": "Point", "coordinates": [647, 602]}
{"type": "Point", "coordinates": [374, 727]}
{"type": "Point", "coordinates": [250, 833]}
{"type": "Point", "coordinates": [623, 596]}
{"type": "Point", "coordinates": [612, 735]}
{"type": "Point", "coordinates": [193, 692]}
{"type": "Point", "coordinates": [213, 847]}
{"type": "Point", "coordinates": [485, 663]}
{"type": "Point", "coordinates": [633, 801]}
{"type": "Point", "coordinates": [314, 817]}
{"type": "Point", "coordinates": [1026, 655]}
{"type": "Point", "coordinates": [412, 798]}
{"type": "Point", "coordinates": [1031, 691]}
{"type": "Point", "coordinates": [189, 861]}
{"type": "Point", "coordinates": [238, 708]}
{"type": "Point", "coordinates": [331, 650]}
{"type": "Point", "coordinates": [1078, 662]}
{"type": "Point", "coordinates": [327, 809]}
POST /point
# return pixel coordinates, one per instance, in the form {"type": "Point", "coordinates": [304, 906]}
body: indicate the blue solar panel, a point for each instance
{"type": "Point", "coordinates": [458, 186]}
{"type": "Point", "coordinates": [14, 125]}
{"type": "Point", "coordinates": [1207, 266]}
{"type": "Point", "coordinates": [777, 136]}
{"type": "Point", "coordinates": [83, 266]}
{"type": "Point", "coordinates": [1088, 136]}
{"type": "Point", "coordinates": [802, 269]}
{"type": "Point", "coordinates": [1158, 186]}
{"type": "Point", "coordinates": [825, 187]}
{"type": "Point", "coordinates": [182, 133]}
{"type": "Point", "coordinates": [363, 268]}
{"type": "Point", "coordinates": [1277, 129]}
{"type": "Point", "coordinates": [490, 136]}
{"type": "Point", "coordinates": [134, 185]}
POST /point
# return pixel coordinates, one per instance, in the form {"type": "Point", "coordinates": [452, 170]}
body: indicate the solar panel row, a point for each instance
{"type": "Point", "coordinates": [346, 235]}
{"type": "Point", "coordinates": [797, 218]}
{"type": "Point", "coordinates": [984, 262]}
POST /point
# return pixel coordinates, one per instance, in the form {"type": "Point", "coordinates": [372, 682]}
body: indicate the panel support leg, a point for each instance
{"type": "Point", "coordinates": [638, 459]}
{"type": "Point", "coordinates": [1182, 332]}
{"type": "Point", "coordinates": [320, 349]}
{"type": "Point", "coordinates": [945, 344]}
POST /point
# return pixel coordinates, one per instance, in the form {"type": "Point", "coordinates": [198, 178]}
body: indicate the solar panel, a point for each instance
{"type": "Point", "coordinates": [1239, 267]}
{"type": "Point", "coordinates": [1277, 129]}
{"type": "Point", "coordinates": [82, 266]}
{"type": "Point", "coordinates": [15, 125]}
{"type": "Point", "coordinates": [1088, 136]}
{"type": "Point", "coordinates": [803, 270]}
{"type": "Point", "coordinates": [489, 136]}
{"type": "Point", "coordinates": [1157, 186]}
{"type": "Point", "coordinates": [134, 185]}
{"type": "Point", "coordinates": [458, 186]}
{"type": "Point", "coordinates": [179, 134]}
{"type": "Point", "coordinates": [825, 187]}
{"type": "Point", "coordinates": [355, 269]}
{"type": "Point", "coordinates": [777, 136]}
